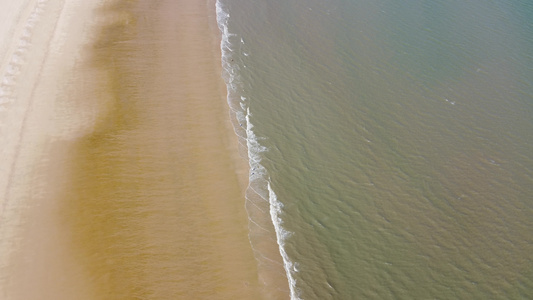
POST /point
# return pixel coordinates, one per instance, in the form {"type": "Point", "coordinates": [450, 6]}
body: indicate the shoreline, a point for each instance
{"type": "Point", "coordinates": [261, 204]}
{"type": "Point", "coordinates": [133, 198]}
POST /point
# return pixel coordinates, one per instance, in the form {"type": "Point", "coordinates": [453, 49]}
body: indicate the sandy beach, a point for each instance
{"type": "Point", "coordinates": [120, 176]}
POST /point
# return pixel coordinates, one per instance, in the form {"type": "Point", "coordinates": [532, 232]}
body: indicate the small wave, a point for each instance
{"type": "Point", "coordinates": [282, 234]}
{"type": "Point", "coordinates": [239, 106]}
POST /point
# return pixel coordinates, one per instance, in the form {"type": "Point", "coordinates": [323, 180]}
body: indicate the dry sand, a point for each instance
{"type": "Point", "coordinates": [119, 176]}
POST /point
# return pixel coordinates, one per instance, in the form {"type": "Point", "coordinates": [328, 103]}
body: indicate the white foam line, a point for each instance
{"type": "Point", "coordinates": [282, 234]}
{"type": "Point", "coordinates": [254, 149]}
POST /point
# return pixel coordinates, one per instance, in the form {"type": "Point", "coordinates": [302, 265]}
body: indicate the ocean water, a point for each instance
{"type": "Point", "coordinates": [390, 144]}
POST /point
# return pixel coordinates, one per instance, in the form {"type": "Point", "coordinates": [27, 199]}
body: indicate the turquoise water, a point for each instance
{"type": "Point", "coordinates": [390, 144]}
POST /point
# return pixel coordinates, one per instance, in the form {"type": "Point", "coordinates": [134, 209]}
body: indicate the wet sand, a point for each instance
{"type": "Point", "coordinates": [124, 181]}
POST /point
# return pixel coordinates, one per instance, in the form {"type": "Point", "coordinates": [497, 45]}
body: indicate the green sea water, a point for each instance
{"type": "Point", "coordinates": [390, 143]}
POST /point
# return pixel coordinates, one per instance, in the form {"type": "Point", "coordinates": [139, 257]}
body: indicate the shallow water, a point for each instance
{"type": "Point", "coordinates": [390, 142]}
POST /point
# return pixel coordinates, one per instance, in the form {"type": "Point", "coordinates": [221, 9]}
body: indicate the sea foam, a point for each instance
{"type": "Point", "coordinates": [259, 179]}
